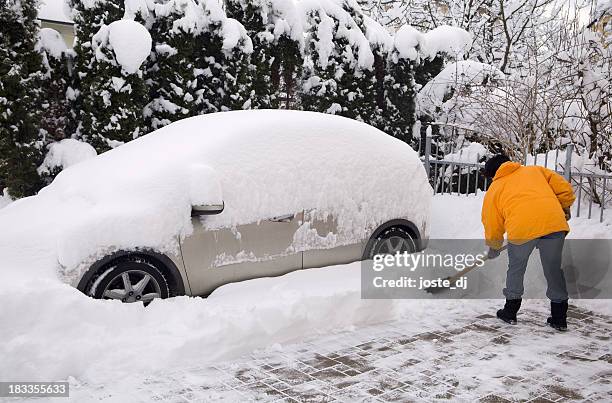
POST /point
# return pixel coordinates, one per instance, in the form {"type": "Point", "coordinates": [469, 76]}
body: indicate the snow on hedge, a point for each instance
{"type": "Point", "coordinates": [411, 44]}
{"type": "Point", "coordinates": [129, 40]}
{"type": "Point", "coordinates": [453, 41]}
{"type": "Point", "coordinates": [268, 163]}
{"type": "Point", "coordinates": [51, 41]}
{"type": "Point", "coordinates": [377, 35]}
{"type": "Point", "coordinates": [457, 74]}
{"type": "Point", "coordinates": [331, 13]}
{"type": "Point", "coordinates": [65, 153]}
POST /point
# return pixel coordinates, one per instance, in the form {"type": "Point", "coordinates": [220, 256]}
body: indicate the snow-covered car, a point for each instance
{"type": "Point", "coordinates": [228, 197]}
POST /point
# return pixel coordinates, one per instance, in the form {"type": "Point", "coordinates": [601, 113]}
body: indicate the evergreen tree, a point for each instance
{"type": "Point", "coordinates": [400, 86]}
{"type": "Point", "coordinates": [339, 76]}
{"type": "Point", "coordinates": [21, 139]}
{"type": "Point", "coordinates": [237, 50]}
{"type": "Point", "coordinates": [276, 61]}
{"type": "Point", "coordinates": [56, 107]}
{"type": "Point", "coordinates": [88, 16]}
{"type": "Point", "coordinates": [381, 43]}
{"type": "Point", "coordinates": [185, 74]}
{"type": "Point", "coordinates": [112, 110]}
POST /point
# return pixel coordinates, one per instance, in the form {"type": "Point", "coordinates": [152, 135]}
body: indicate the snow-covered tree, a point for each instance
{"type": "Point", "coordinates": [500, 28]}
{"type": "Point", "coordinates": [381, 43]}
{"type": "Point", "coordinates": [21, 140]}
{"type": "Point", "coordinates": [56, 107]}
{"type": "Point", "coordinates": [236, 79]}
{"type": "Point", "coordinates": [199, 62]}
{"type": "Point", "coordinates": [88, 16]}
{"type": "Point", "coordinates": [400, 84]}
{"type": "Point", "coordinates": [338, 75]}
{"type": "Point", "coordinates": [116, 96]}
{"type": "Point", "coordinates": [277, 35]}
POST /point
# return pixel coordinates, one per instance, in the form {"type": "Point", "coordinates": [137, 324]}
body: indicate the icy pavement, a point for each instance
{"type": "Point", "coordinates": [470, 359]}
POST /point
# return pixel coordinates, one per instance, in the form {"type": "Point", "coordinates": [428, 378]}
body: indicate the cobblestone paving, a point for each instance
{"type": "Point", "coordinates": [479, 360]}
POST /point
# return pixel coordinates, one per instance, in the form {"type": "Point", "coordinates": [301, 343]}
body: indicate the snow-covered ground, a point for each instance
{"type": "Point", "coordinates": [52, 332]}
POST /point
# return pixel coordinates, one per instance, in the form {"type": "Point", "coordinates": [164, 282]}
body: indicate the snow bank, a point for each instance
{"type": "Point", "coordinates": [268, 163]}
{"type": "Point", "coordinates": [52, 43]}
{"type": "Point", "coordinates": [65, 334]}
{"type": "Point", "coordinates": [65, 153]}
{"type": "Point", "coordinates": [457, 74]}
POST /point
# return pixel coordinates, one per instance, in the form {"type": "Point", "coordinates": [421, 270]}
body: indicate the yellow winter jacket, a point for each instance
{"type": "Point", "coordinates": [526, 202]}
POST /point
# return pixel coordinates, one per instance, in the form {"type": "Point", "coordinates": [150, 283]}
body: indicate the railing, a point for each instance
{"type": "Point", "coordinates": [466, 178]}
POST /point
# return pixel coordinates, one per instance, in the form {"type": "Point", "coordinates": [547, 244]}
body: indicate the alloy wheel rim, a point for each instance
{"type": "Point", "coordinates": [133, 286]}
{"type": "Point", "coordinates": [394, 244]}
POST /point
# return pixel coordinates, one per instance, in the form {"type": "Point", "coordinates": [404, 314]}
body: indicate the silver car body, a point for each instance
{"type": "Point", "coordinates": [212, 258]}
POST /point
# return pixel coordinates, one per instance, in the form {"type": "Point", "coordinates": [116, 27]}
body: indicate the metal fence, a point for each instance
{"type": "Point", "coordinates": [593, 191]}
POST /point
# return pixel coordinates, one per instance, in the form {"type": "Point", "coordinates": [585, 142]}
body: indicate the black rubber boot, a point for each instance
{"type": "Point", "coordinates": [558, 318]}
{"type": "Point", "coordinates": [508, 314]}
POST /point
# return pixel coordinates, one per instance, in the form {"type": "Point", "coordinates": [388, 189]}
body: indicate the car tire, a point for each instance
{"type": "Point", "coordinates": [130, 282]}
{"type": "Point", "coordinates": [391, 241]}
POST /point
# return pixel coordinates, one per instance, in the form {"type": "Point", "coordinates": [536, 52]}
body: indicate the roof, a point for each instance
{"type": "Point", "coordinates": [53, 10]}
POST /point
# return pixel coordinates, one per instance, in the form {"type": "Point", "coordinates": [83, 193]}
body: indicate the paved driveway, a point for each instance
{"type": "Point", "coordinates": [473, 359]}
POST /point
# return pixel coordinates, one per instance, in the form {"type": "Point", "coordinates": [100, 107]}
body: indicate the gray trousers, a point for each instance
{"type": "Point", "coordinates": [551, 248]}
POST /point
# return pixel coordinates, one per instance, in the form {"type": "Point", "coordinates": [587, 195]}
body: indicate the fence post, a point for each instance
{"type": "Point", "coordinates": [427, 152]}
{"type": "Point", "coordinates": [567, 172]}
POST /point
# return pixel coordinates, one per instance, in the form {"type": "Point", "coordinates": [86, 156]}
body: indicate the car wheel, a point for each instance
{"type": "Point", "coordinates": [391, 241]}
{"type": "Point", "coordinates": [131, 282]}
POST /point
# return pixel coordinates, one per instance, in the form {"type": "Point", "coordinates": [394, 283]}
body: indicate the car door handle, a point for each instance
{"type": "Point", "coordinates": [283, 218]}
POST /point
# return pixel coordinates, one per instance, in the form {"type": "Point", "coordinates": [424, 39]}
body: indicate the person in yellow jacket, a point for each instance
{"type": "Point", "coordinates": [530, 204]}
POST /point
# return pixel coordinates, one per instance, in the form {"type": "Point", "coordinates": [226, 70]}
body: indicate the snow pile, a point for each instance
{"type": "Point", "coordinates": [52, 43]}
{"type": "Point", "coordinates": [65, 153]}
{"type": "Point", "coordinates": [65, 334]}
{"type": "Point", "coordinates": [455, 75]}
{"type": "Point", "coordinates": [268, 163]}
{"type": "Point", "coordinates": [95, 340]}
{"type": "Point", "coordinates": [129, 40]}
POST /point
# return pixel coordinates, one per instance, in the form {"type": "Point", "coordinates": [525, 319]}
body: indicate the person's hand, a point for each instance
{"type": "Point", "coordinates": [568, 213]}
{"type": "Point", "coordinates": [492, 253]}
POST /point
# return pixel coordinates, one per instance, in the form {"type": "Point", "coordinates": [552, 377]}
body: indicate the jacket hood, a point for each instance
{"type": "Point", "coordinates": [506, 169]}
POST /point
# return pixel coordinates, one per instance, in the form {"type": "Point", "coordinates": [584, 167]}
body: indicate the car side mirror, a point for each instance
{"type": "Point", "coordinates": [207, 209]}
